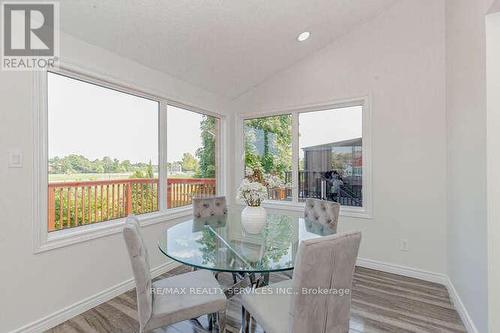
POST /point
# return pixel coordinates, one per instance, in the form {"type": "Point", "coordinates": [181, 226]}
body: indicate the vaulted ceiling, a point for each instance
{"type": "Point", "coordinates": [223, 46]}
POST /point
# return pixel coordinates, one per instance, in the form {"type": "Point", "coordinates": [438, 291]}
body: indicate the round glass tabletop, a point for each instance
{"type": "Point", "coordinates": [220, 243]}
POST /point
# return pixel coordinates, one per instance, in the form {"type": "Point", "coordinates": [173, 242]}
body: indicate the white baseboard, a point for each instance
{"type": "Point", "coordinates": [460, 307]}
{"type": "Point", "coordinates": [75, 309]}
{"type": "Point", "coordinates": [403, 270]}
{"type": "Point", "coordinates": [426, 276]}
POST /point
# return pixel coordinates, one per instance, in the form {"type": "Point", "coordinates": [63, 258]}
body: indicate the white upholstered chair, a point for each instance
{"type": "Point", "coordinates": [158, 309]}
{"type": "Point", "coordinates": [209, 206]}
{"type": "Point", "coordinates": [320, 214]}
{"type": "Point", "coordinates": [322, 211]}
{"type": "Point", "coordinates": [327, 263]}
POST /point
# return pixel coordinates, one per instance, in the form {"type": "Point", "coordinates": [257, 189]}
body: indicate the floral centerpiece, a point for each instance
{"type": "Point", "coordinates": [253, 193]}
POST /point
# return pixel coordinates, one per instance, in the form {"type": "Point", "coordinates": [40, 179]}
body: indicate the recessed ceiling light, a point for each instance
{"type": "Point", "coordinates": [303, 36]}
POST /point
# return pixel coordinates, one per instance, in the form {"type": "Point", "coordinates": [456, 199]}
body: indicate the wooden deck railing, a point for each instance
{"type": "Point", "coordinates": [78, 203]}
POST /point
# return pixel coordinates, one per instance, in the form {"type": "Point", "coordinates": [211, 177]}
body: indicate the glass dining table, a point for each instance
{"type": "Point", "coordinates": [221, 244]}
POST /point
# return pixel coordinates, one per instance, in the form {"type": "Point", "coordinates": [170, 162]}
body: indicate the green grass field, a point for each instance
{"type": "Point", "coordinates": [80, 177]}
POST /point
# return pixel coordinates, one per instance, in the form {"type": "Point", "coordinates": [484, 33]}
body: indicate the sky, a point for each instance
{"type": "Point", "coordinates": [94, 121]}
{"type": "Point", "coordinates": [320, 127]}
{"type": "Point", "coordinates": [183, 133]}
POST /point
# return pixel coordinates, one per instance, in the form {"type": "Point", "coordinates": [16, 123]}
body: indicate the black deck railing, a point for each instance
{"type": "Point", "coordinates": [350, 192]}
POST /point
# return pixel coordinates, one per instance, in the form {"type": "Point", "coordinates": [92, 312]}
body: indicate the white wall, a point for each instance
{"type": "Point", "coordinates": [466, 129]}
{"type": "Point", "coordinates": [493, 164]}
{"type": "Point", "coordinates": [399, 60]}
{"type": "Point", "coordinates": [33, 286]}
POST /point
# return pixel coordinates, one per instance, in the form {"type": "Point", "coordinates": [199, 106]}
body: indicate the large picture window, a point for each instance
{"type": "Point", "coordinates": [112, 152]}
{"type": "Point", "coordinates": [312, 153]}
{"type": "Point", "coordinates": [102, 153]}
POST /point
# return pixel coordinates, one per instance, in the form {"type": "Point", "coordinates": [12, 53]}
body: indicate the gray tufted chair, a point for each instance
{"type": "Point", "coordinates": [327, 263]}
{"type": "Point", "coordinates": [209, 206]}
{"type": "Point", "coordinates": [161, 309]}
{"type": "Point", "coordinates": [322, 211]}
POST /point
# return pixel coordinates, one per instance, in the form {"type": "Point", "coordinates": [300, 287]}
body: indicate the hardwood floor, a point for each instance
{"type": "Point", "coordinates": [381, 302]}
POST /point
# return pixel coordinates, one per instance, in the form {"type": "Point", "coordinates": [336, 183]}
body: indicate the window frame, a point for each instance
{"type": "Point", "coordinates": [366, 211]}
{"type": "Point", "coordinates": [42, 239]}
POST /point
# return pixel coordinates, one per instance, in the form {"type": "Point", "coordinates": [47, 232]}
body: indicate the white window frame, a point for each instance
{"type": "Point", "coordinates": [366, 211]}
{"type": "Point", "coordinates": [42, 239]}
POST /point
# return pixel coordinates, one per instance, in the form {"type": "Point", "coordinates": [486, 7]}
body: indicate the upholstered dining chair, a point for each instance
{"type": "Point", "coordinates": [326, 263]}
{"type": "Point", "coordinates": [322, 211]}
{"type": "Point", "coordinates": [158, 308]}
{"type": "Point", "coordinates": [209, 206]}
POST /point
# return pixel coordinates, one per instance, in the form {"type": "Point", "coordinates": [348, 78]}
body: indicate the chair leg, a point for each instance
{"type": "Point", "coordinates": [252, 325]}
{"type": "Point", "coordinates": [245, 320]}
{"type": "Point", "coordinates": [211, 319]}
{"type": "Point", "coordinates": [210, 326]}
{"type": "Point", "coordinates": [221, 321]}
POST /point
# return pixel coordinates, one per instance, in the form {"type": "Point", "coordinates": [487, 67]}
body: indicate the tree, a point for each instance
{"type": "Point", "coordinates": [107, 163]}
{"type": "Point", "coordinates": [276, 135]}
{"type": "Point", "coordinates": [189, 162]}
{"type": "Point", "coordinates": [149, 170]}
{"type": "Point", "coordinates": [72, 164]}
{"type": "Point", "coordinates": [206, 153]}
{"type": "Point", "coordinates": [252, 158]}
{"type": "Point", "coordinates": [126, 166]}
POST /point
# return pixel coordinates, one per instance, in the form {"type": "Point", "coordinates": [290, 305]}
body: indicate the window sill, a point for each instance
{"type": "Point", "coordinates": [355, 212]}
{"type": "Point", "coordinates": [62, 238]}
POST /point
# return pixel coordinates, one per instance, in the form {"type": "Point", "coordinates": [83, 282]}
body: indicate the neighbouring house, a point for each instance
{"type": "Point", "coordinates": [333, 171]}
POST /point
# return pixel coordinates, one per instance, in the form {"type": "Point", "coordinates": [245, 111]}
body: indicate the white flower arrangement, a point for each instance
{"type": "Point", "coordinates": [253, 193]}
{"type": "Point", "coordinates": [249, 172]}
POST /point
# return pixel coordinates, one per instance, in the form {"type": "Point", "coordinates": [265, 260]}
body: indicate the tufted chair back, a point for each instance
{"type": "Point", "coordinates": [322, 211]}
{"type": "Point", "coordinates": [140, 266]}
{"type": "Point", "coordinates": [210, 206]}
{"type": "Point", "coordinates": [326, 263]}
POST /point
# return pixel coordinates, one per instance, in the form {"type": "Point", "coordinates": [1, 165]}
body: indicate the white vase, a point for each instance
{"type": "Point", "coordinates": [253, 219]}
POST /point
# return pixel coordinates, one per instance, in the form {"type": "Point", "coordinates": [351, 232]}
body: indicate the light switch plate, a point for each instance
{"type": "Point", "coordinates": [15, 159]}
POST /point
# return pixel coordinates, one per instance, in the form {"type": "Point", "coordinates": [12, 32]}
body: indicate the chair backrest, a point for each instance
{"type": "Point", "coordinates": [209, 206]}
{"type": "Point", "coordinates": [322, 211]}
{"type": "Point", "coordinates": [326, 263]}
{"type": "Point", "coordinates": [139, 259]}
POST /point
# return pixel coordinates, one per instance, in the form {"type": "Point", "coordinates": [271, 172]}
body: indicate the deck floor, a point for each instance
{"type": "Point", "coordinates": [381, 302]}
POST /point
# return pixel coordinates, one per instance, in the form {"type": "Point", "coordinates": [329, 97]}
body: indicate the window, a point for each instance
{"type": "Point", "coordinates": [268, 153]}
{"type": "Point", "coordinates": [102, 153]}
{"type": "Point", "coordinates": [319, 152]}
{"type": "Point", "coordinates": [191, 163]}
{"type": "Point", "coordinates": [113, 151]}
{"type": "Point", "coordinates": [330, 155]}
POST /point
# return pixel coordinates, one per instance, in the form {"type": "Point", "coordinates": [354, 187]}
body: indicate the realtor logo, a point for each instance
{"type": "Point", "coordinates": [30, 32]}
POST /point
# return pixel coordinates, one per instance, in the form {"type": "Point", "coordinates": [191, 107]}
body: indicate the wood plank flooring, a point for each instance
{"type": "Point", "coordinates": [381, 302]}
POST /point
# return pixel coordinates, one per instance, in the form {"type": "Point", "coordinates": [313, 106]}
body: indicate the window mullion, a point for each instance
{"type": "Point", "coordinates": [295, 157]}
{"type": "Point", "coordinates": [162, 165]}
{"type": "Point", "coordinates": [219, 157]}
